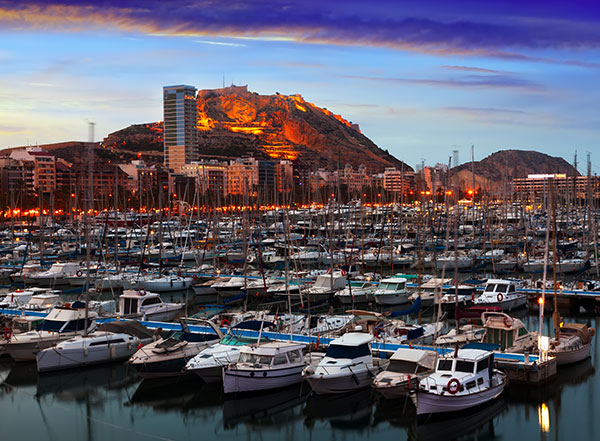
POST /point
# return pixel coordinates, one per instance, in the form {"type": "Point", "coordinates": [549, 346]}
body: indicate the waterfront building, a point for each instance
{"type": "Point", "coordinates": [210, 175]}
{"type": "Point", "coordinates": [243, 176]}
{"type": "Point", "coordinates": [395, 180]}
{"type": "Point", "coordinates": [536, 187]}
{"type": "Point", "coordinates": [180, 126]}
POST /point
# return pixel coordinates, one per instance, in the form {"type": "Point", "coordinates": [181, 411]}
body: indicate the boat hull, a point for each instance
{"type": "Point", "coordinates": [573, 356]}
{"type": "Point", "coordinates": [339, 384]}
{"type": "Point", "coordinates": [429, 403]}
{"type": "Point", "coordinates": [243, 380]}
{"type": "Point", "coordinates": [53, 359]}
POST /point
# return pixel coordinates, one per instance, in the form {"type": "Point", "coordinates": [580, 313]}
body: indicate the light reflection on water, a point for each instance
{"type": "Point", "coordinates": [111, 403]}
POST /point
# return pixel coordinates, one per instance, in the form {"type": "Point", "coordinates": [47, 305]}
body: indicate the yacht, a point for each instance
{"type": "Point", "coordinates": [267, 366]}
{"type": "Point", "coordinates": [55, 276]}
{"type": "Point", "coordinates": [326, 286]}
{"type": "Point", "coordinates": [62, 323]}
{"type": "Point", "coordinates": [164, 283]}
{"type": "Point", "coordinates": [347, 365]}
{"type": "Point", "coordinates": [502, 293]}
{"type": "Point", "coordinates": [357, 292]}
{"type": "Point", "coordinates": [112, 341]}
{"type": "Point", "coordinates": [167, 356]}
{"type": "Point", "coordinates": [462, 380]}
{"type": "Point", "coordinates": [391, 291]}
{"type": "Point", "coordinates": [572, 343]}
{"type": "Point", "coordinates": [147, 305]}
{"type": "Point", "coordinates": [403, 372]}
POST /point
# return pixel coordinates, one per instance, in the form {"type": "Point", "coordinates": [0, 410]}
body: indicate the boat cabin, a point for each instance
{"type": "Point", "coordinates": [509, 333]}
{"type": "Point", "coordinates": [271, 355]}
{"type": "Point", "coordinates": [392, 284]}
{"type": "Point", "coordinates": [132, 301]}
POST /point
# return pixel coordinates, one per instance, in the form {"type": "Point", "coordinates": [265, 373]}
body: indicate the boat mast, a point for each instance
{"type": "Point", "coordinates": [89, 208]}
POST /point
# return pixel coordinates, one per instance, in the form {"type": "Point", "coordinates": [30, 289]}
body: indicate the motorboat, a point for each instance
{"type": "Point", "coordinates": [55, 276]}
{"type": "Point", "coordinates": [509, 333]}
{"type": "Point", "coordinates": [325, 286]}
{"type": "Point", "coordinates": [112, 341]}
{"type": "Point", "coordinates": [147, 305]}
{"type": "Point", "coordinates": [16, 299]}
{"type": "Point", "coordinates": [62, 323]}
{"type": "Point", "coordinates": [403, 372]}
{"type": "Point", "coordinates": [356, 292]}
{"type": "Point", "coordinates": [42, 302]}
{"type": "Point", "coordinates": [502, 293]}
{"type": "Point", "coordinates": [167, 283]}
{"type": "Point", "coordinates": [210, 362]}
{"type": "Point", "coordinates": [391, 291]}
{"type": "Point", "coordinates": [427, 290]}
{"type": "Point", "coordinates": [463, 379]}
{"type": "Point", "coordinates": [167, 356]}
{"type": "Point", "coordinates": [347, 365]}
{"type": "Point", "coordinates": [572, 343]}
{"type": "Point", "coordinates": [266, 366]}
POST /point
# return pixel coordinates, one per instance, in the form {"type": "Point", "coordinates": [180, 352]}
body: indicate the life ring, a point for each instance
{"type": "Point", "coordinates": [7, 333]}
{"type": "Point", "coordinates": [500, 296]}
{"type": "Point", "coordinates": [142, 292]}
{"type": "Point", "coordinates": [377, 332]}
{"type": "Point", "coordinates": [453, 386]}
{"type": "Point", "coordinates": [508, 322]}
{"type": "Point", "coordinates": [224, 323]}
{"type": "Point", "coordinates": [79, 273]}
{"type": "Point", "coordinates": [344, 273]}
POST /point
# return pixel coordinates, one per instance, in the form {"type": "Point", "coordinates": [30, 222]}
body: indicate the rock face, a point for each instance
{"type": "Point", "coordinates": [508, 164]}
{"type": "Point", "coordinates": [233, 121]}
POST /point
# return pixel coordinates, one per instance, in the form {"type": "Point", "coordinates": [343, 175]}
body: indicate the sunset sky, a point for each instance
{"type": "Point", "coordinates": [422, 78]}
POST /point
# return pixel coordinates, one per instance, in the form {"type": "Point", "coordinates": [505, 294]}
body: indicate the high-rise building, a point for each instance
{"type": "Point", "coordinates": [180, 133]}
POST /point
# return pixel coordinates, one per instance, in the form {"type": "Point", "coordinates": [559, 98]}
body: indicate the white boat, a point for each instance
{"type": "Point", "coordinates": [114, 282]}
{"type": "Point", "coordinates": [347, 365]}
{"type": "Point", "coordinates": [164, 283]}
{"type": "Point", "coordinates": [325, 286]}
{"type": "Point", "coordinates": [427, 290]}
{"type": "Point", "coordinates": [17, 299]}
{"type": "Point", "coordinates": [268, 366]}
{"type": "Point", "coordinates": [461, 381]}
{"type": "Point", "coordinates": [44, 301]}
{"type": "Point", "coordinates": [448, 261]}
{"type": "Point", "coordinates": [62, 323]}
{"type": "Point", "coordinates": [391, 291]}
{"type": "Point", "coordinates": [55, 276]}
{"type": "Point", "coordinates": [166, 357]}
{"type": "Point", "coordinates": [210, 362]}
{"type": "Point", "coordinates": [572, 343]}
{"type": "Point", "coordinates": [358, 292]}
{"type": "Point", "coordinates": [502, 293]}
{"type": "Point", "coordinates": [113, 341]}
{"type": "Point", "coordinates": [147, 305]}
{"type": "Point", "coordinates": [402, 373]}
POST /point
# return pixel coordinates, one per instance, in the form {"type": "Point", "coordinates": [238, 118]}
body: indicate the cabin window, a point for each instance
{"type": "Point", "coordinates": [280, 359]}
{"type": "Point", "coordinates": [341, 351]}
{"type": "Point", "coordinates": [50, 326]}
{"type": "Point", "coordinates": [482, 365]}
{"type": "Point", "coordinates": [490, 288]}
{"type": "Point", "coordinates": [294, 356]}
{"type": "Point", "coordinates": [74, 325]}
{"type": "Point", "coordinates": [511, 288]}
{"type": "Point", "coordinates": [129, 306]}
{"type": "Point", "coordinates": [522, 332]}
{"type": "Point", "coordinates": [107, 342]}
{"type": "Point", "coordinates": [151, 301]}
{"type": "Point", "coordinates": [464, 366]}
{"type": "Point", "coordinates": [502, 288]}
{"type": "Point", "coordinates": [384, 286]}
{"type": "Point", "coordinates": [480, 381]}
{"type": "Point", "coordinates": [470, 384]}
{"type": "Point", "coordinates": [444, 365]}
{"type": "Point", "coordinates": [404, 367]}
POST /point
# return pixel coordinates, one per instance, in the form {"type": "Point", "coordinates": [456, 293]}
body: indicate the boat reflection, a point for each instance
{"type": "Point", "coordinates": [399, 412]}
{"type": "Point", "coordinates": [265, 409]}
{"type": "Point", "coordinates": [476, 425]}
{"type": "Point", "coordinates": [345, 411]}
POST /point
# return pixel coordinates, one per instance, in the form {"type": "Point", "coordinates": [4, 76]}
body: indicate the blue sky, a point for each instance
{"type": "Point", "coordinates": [421, 78]}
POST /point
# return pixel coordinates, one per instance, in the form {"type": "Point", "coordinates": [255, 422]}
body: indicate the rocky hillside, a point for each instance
{"type": "Point", "coordinates": [509, 164]}
{"type": "Point", "coordinates": [233, 121]}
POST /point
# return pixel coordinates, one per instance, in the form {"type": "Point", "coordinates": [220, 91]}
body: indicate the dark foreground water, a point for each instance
{"type": "Point", "coordinates": [110, 403]}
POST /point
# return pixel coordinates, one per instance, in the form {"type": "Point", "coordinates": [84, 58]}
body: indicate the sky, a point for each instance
{"type": "Point", "coordinates": [422, 78]}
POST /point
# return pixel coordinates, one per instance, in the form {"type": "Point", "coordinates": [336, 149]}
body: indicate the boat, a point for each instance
{"type": "Point", "coordinates": [509, 333]}
{"type": "Point", "coordinates": [147, 305]}
{"type": "Point", "coordinates": [55, 276]}
{"type": "Point", "coordinates": [572, 343]}
{"type": "Point", "coordinates": [164, 283]}
{"type": "Point", "coordinates": [210, 362]}
{"type": "Point", "coordinates": [167, 356]}
{"type": "Point", "coordinates": [325, 286]}
{"type": "Point", "coordinates": [112, 341]}
{"type": "Point", "coordinates": [502, 293]}
{"type": "Point", "coordinates": [266, 366]}
{"type": "Point", "coordinates": [462, 380]}
{"type": "Point", "coordinates": [42, 302]}
{"type": "Point", "coordinates": [403, 372]}
{"type": "Point", "coordinates": [357, 292]}
{"type": "Point", "coordinates": [391, 291]}
{"type": "Point", "coordinates": [62, 323]}
{"type": "Point", "coordinates": [347, 365]}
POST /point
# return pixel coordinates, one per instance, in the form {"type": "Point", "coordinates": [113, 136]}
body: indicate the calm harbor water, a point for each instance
{"type": "Point", "coordinates": [111, 403]}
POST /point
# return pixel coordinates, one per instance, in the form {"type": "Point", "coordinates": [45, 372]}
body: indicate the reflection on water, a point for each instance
{"type": "Point", "coordinates": [111, 403]}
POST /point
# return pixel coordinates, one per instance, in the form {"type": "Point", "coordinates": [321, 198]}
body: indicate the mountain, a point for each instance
{"type": "Point", "coordinates": [234, 121]}
{"type": "Point", "coordinates": [509, 164]}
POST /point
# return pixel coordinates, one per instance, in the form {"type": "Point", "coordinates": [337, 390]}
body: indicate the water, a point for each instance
{"type": "Point", "coordinates": [111, 403]}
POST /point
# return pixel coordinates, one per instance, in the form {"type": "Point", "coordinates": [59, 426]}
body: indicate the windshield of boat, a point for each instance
{"type": "Point", "coordinates": [444, 365]}
{"type": "Point", "coordinates": [351, 352]}
{"type": "Point", "coordinates": [56, 325]}
{"type": "Point", "coordinates": [464, 366]}
{"type": "Point", "coordinates": [490, 287]}
{"type": "Point", "coordinates": [391, 286]}
{"type": "Point", "coordinates": [255, 358]}
{"type": "Point", "coordinates": [405, 367]}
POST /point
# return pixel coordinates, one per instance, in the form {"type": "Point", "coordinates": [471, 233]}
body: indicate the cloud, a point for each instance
{"type": "Point", "coordinates": [473, 69]}
{"type": "Point", "coordinates": [466, 82]}
{"type": "Point", "coordinates": [219, 43]}
{"type": "Point", "coordinates": [494, 31]}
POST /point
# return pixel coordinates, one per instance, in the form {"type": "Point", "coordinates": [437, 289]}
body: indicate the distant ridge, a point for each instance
{"type": "Point", "coordinates": [507, 165]}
